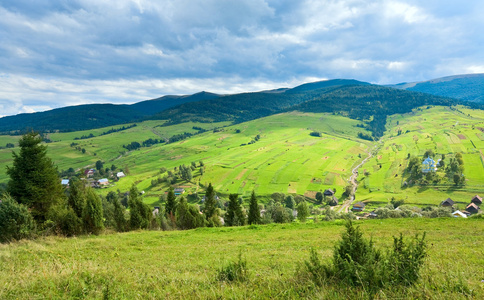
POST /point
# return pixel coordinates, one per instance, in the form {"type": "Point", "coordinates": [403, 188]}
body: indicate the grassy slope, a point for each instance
{"type": "Point", "coordinates": [184, 264]}
{"type": "Point", "coordinates": [444, 131]}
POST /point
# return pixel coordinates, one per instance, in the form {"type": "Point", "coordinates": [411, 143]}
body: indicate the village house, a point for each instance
{"type": "Point", "coordinates": [120, 175]}
{"type": "Point", "coordinates": [103, 182]}
{"type": "Point", "coordinates": [476, 200]}
{"type": "Point", "coordinates": [65, 182]}
{"type": "Point", "coordinates": [89, 172]}
{"type": "Point", "coordinates": [360, 206]}
{"type": "Point", "coordinates": [447, 203]}
{"type": "Point", "coordinates": [472, 208]}
{"type": "Point", "coordinates": [328, 193]}
{"type": "Point", "coordinates": [179, 191]}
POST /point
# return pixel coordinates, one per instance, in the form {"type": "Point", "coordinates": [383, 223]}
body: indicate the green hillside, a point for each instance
{"type": "Point", "coordinates": [441, 129]}
{"type": "Point", "coordinates": [185, 264]}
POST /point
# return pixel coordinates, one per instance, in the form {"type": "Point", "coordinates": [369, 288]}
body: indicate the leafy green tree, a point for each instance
{"type": "Point", "coordinates": [302, 211]}
{"type": "Point", "coordinates": [15, 220]}
{"type": "Point", "coordinates": [210, 203]}
{"type": "Point", "coordinates": [234, 215]}
{"type": "Point", "coordinates": [34, 180]}
{"type": "Point", "coordinates": [254, 211]}
{"type": "Point", "coordinates": [429, 153]}
{"type": "Point", "coordinates": [170, 205]}
{"type": "Point", "coordinates": [93, 213]}
{"type": "Point", "coordinates": [99, 165]}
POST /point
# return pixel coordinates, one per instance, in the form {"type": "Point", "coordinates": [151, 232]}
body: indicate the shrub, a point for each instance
{"type": "Point", "coordinates": [356, 262]}
{"type": "Point", "coordinates": [234, 271]}
{"type": "Point", "coordinates": [15, 220]}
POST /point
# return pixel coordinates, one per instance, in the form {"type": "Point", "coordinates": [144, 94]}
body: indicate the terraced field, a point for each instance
{"type": "Point", "coordinates": [443, 130]}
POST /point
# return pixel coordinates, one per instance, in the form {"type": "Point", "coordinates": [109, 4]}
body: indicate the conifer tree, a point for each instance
{"type": "Point", "coordinates": [183, 217]}
{"type": "Point", "coordinates": [34, 180]}
{"type": "Point", "coordinates": [210, 208]}
{"type": "Point", "coordinates": [170, 204]}
{"type": "Point", "coordinates": [119, 218]}
{"type": "Point", "coordinates": [77, 196]}
{"type": "Point", "coordinates": [234, 216]}
{"type": "Point", "coordinates": [93, 213]}
{"type": "Point", "coordinates": [254, 212]}
{"type": "Point", "coordinates": [139, 212]}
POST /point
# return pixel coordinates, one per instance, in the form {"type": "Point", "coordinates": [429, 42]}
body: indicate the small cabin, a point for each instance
{"type": "Point", "coordinates": [328, 193]}
{"type": "Point", "coordinates": [472, 208]}
{"type": "Point", "coordinates": [120, 175]}
{"type": "Point", "coordinates": [89, 172]}
{"type": "Point", "coordinates": [65, 182]}
{"type": "Point", "coordinates": [476, 200]}
{"type": "Point", "coordinates": [447, 203]}
{"type": "Point", "coordinates": [360, 206]}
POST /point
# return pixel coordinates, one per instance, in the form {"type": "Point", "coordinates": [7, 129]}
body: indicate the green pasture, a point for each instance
{"type": "Point", "coordinates": [445, 131]}
{"type": "Point", "coordinates": [185, 264]}
{"type": "Point", "coordinates": [286, 158]}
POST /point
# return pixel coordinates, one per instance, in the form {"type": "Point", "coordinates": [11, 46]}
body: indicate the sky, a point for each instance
{"type": "Point", "coordinates": [68, 52]}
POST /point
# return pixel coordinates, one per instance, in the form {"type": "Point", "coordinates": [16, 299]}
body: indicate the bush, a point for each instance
{"type": "Point", "coordinates": [15, 220]}
{"type": "Point", "coordinates": [235, 271]}
{"type": "Point", "coordinates": [356, 262]}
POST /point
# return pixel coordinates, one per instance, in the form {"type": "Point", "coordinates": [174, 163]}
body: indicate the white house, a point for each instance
{"type": "Point", "coordinates": [120, 175]}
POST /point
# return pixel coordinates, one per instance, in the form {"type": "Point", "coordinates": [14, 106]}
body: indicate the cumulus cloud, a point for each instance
{"type": "Point", "coordinates": [70, 52]}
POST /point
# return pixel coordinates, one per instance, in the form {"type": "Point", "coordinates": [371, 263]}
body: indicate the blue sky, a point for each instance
{"type": "Point", "coordinates": [59, 53]}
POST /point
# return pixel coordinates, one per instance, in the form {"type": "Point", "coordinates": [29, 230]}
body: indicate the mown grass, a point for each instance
{"type": "Point", "coordinates": [186, 264]}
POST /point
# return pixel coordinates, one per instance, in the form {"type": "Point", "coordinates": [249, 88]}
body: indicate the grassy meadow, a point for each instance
{"type": "Point", "coordinates": [286, 158]}
{"type": "Point", "coordinates": [441, 129]}
{"type": "Point", "coordinates": [185, 264]}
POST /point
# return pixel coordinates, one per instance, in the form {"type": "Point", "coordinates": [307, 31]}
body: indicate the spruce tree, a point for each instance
{"type": "Point", "coordinates": [234, 216]}
{"type": "Point", "coordinates": [93, 213]}
{"type": "Point", "coordinates": [210, 203]}
{"type": "Point", "coordinates": [183, 216]}
{"type": "Point", "coordinates": [170, 204]}
{"type": "Point", "coordinates": [139, 212]}
{"type": "Point", "coordinates": [77, 196]}
{"type": "Point", "coordinates": [119, 218]}
{"type": "Point", "coordinates": [254, 212]}
{"type": "Point", "coordinates": [34, 180]}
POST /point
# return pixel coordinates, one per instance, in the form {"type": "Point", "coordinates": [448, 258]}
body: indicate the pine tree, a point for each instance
{"type": "Point", "coordinates": [210, 208]}
{"type": "Point", "coordinates": [183, 217]}
{"type": "Point", "coordinates": [77, 196]}
{"type": "Point", "coordinates": [139, 212]}
{"type": "Point", "coordinates": [170, 204]}
{"type": "Point", "coordinates": [119, 212]}
{"type": "Point", "coordinates": [34, 180]}
{"type": "Point", "coordinates": [234, 215]}
{"type": "Point", "coordinates": [254, 212]}
{"type": "Point", "coordinates": [93, 213]}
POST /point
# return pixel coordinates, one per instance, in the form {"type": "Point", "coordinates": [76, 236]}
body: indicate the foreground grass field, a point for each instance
{"type": "Point", "coordinates": [185, 264]}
